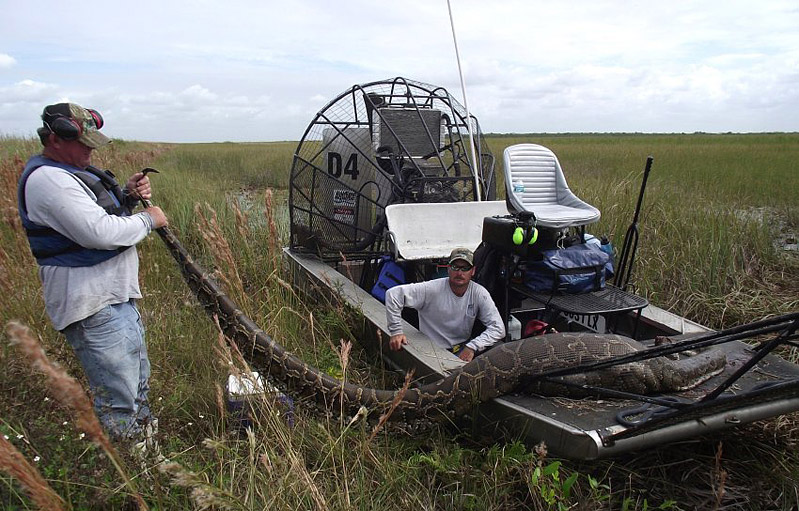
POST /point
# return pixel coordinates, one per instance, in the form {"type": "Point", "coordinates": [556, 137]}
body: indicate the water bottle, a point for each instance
{"type": "Point", "coordinates": [606, 246]}
{"type": "Point", "coordinates": [514, 328]}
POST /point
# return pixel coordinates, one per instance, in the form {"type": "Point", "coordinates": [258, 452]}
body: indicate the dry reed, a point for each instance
{"type": "Point", "coordinates": [274, 235]}
{"type": "Point", "coordinates": [215, 238]}
{"type": "Point", "coordinates": [16, 465]}
{"type": "Point", "coordinates": [16, 257]}
{"type": "Point", "coordinates": [204, 494]}
{"type": "Point", "coordinates": [6, 282]}
{"type": "Point", "coordinates": [394, 403]}
{"type": "Point", "coordinates": [242, 222]}
{"type": "Point", "coordinates": [70, 394]}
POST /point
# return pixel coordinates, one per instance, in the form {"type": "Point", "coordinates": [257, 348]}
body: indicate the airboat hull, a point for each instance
{"type": "Point", "coordinates": [578, 429]}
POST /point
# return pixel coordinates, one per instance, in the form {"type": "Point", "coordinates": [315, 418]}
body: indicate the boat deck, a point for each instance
{"type": "Point", "coordinates": [585, 428]}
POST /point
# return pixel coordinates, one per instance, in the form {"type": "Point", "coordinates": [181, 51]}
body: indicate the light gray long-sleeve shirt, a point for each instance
{"type": "Point", "coordinates": [446, 318]}
{"type": "Point", "coordinates": [57, 199]}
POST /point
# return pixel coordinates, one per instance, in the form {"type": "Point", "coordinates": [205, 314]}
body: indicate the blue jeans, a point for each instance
{"type": "Point", "coordinates": [110, 346]}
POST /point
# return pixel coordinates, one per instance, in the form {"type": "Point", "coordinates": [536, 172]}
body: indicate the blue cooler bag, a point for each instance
{"type": "Point", "coordinates": [573, 270]}
{"type": "Point", "coordinates": [390, 274]}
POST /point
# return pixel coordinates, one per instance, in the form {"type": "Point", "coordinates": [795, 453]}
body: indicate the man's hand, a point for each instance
{"type": "Point", "coordinates": [139, 186]}
{"type": "Point", "coordinates": [466, 354]}
{"type": "Point", "coordinates": [158, 216]}
{"type": "Point", "coordinates": [396, 342]}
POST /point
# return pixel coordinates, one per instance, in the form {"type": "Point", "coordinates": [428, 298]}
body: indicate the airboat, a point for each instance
{"type": "Point", "coordinates": [396, 173]}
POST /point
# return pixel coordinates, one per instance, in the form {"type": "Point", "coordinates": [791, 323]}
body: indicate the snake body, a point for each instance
{"type": "Point", "coordinates": [499, 371]}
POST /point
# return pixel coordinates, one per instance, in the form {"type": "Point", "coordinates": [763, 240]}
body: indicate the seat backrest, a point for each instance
{"type": "Point", "coordinates": [534, 182]}
{"type": "Point", "coordinates": [417, 131]}
{"type": "Point", "coordinates": [537, 170]}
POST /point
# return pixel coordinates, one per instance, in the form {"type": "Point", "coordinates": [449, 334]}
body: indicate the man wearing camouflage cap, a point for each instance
{"type": "Point", "coordinates": [448, 308]}
{"type": "Point", "coordinates": [82, 231]}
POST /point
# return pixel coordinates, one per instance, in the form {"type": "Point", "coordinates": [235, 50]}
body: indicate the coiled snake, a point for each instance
{"type": "Point", "coordinates": [499, 371]}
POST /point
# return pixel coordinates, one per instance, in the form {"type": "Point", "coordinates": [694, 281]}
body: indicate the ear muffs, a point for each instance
{"type": "Point", "coordinates": [65, 127]}
{"type": "Point", "coordinates": [68, 128]}
{"type": "Point", "coordinates": [98, 119]}
{"type": "Point", "coordinates": [520, 235]}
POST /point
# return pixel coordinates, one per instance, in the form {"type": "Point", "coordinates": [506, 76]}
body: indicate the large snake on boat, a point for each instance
{"type": "Point", "coordinates": [499, 371]}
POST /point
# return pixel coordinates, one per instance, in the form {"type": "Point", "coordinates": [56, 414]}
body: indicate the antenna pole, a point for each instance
{"type": "Point", "coordinates": [477, 171]}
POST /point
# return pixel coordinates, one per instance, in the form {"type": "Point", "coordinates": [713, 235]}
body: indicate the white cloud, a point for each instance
{"type": "Point", "coordinates": [260, 70]}
{"type": "Point", "coordinates": [7, 60]}
{"type": "Point", "coordinates": [26, 91]}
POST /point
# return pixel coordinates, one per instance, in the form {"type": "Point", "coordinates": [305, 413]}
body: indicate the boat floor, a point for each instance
{"type": "Point", "coordinates": [593, 413]}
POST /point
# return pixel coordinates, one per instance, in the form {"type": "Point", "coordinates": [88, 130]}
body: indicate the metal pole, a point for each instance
{"type": "Point", "coordinates": [476, 170]}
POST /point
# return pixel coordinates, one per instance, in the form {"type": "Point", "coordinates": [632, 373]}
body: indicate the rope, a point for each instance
{"type": "Point", "coordinates": [477, 171]}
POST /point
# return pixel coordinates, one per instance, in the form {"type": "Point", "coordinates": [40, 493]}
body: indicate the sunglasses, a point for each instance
{"type": "Point", "coordinates": [457, 267]}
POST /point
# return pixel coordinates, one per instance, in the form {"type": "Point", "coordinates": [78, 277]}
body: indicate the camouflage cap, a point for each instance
{"type": "Point", "coordinates": [89, 121]}
{"type": "Point", "coordinates": [463, 254]}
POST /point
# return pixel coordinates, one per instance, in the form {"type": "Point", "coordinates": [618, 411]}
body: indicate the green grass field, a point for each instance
{"type": "Point", "coordinates": [718, 212]}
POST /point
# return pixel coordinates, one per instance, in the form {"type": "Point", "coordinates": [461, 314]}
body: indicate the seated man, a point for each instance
{"type": "Point", "coordinates": [447, 309]}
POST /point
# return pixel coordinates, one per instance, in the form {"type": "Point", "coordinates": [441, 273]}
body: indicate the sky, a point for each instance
{"type": "Point", "coordinates": [259, 70]}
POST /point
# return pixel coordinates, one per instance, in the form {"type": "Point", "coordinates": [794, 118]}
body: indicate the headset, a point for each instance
{"type": "Point", "coordinates": [62, 124]}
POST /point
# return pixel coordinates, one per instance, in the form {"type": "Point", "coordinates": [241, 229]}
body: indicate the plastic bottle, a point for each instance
{"type": "Point", "coordinates": [606, 246]}
{"type": "Point", "coordinates": [514, 328]}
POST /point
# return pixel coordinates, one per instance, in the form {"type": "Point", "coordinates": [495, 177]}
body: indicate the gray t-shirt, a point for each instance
{"type": "Point", "coordinates": [446, 318]}
{"type": "Point", "coordinates": [57, 199]}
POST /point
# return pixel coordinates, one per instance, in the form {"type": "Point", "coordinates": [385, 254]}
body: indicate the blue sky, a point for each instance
{"type": "Point", "coordinates": [259, 70]}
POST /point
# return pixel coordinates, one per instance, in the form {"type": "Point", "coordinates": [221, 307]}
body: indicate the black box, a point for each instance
{"type": "Point", "coordinates": [499, 232]}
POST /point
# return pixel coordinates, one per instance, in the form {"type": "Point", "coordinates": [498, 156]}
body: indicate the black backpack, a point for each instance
{"type": "Point", "coordinates": [486, 260]}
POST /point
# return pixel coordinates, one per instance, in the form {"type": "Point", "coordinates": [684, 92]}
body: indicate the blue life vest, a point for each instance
{"type": "Point", "coordinates": [51, 248]}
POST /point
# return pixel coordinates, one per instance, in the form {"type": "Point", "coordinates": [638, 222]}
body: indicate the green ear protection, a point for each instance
{"type": "Point", "coordinates": [519, 235]}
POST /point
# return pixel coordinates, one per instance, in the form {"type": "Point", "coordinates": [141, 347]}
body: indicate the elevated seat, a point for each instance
{"type": "Point", "coordinates": [534, 183]}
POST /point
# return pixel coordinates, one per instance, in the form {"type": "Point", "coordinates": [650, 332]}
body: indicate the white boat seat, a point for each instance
{"type": "Point", "coordinates": [432, 230]}
{"type": "Point", "coordinates": [534, 182]}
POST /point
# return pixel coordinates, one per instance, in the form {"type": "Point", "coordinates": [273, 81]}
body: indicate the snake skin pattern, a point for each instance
{"type": "Point", "coordinates": [499, 371]}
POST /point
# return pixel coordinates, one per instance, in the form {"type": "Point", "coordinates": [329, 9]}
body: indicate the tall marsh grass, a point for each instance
{"type": "Point", "coordinates": [706, 251]}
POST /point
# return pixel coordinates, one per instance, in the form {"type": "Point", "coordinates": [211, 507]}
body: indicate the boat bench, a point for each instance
{"type": "Point", "coordinates": [424, 231]}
